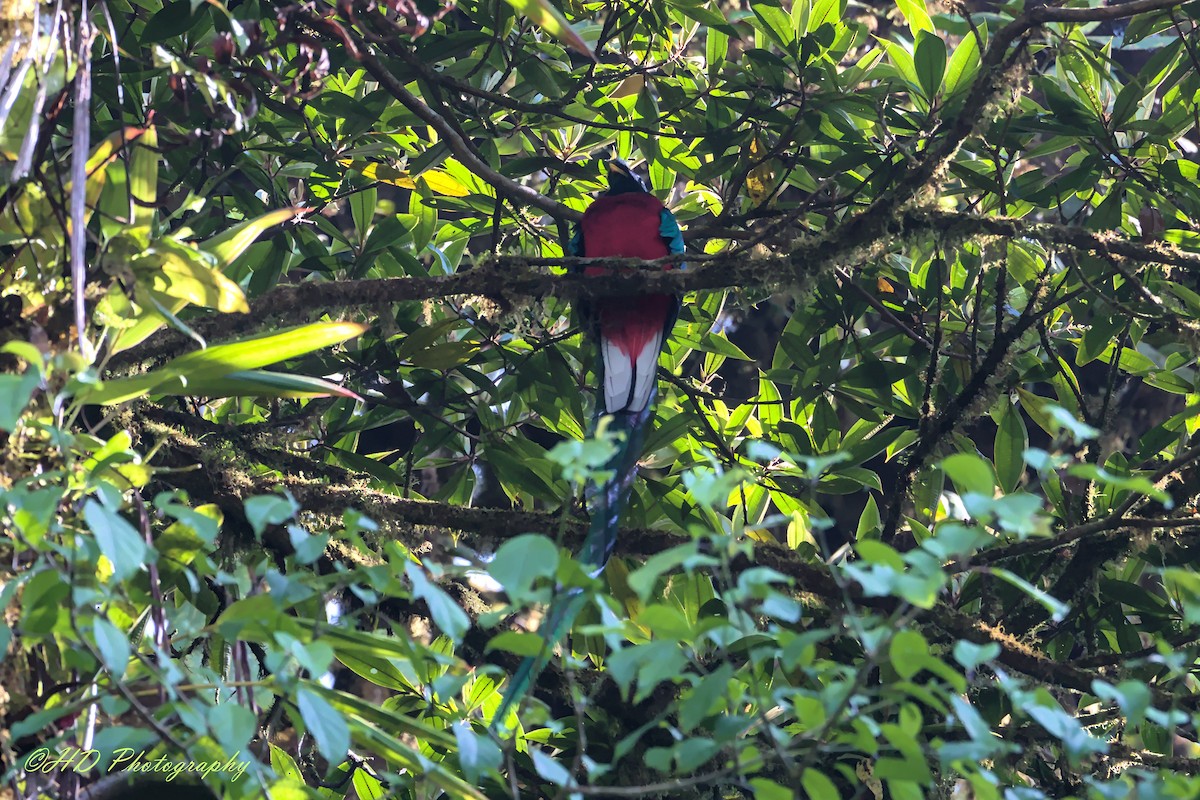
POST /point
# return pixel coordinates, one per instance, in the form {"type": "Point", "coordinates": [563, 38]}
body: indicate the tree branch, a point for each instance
{"type": "Point", "coordinates": [516, 277]}
{"type": "Point", "coordinates": [461, 148]}
{"type": "Point", "coordinates": [1090, 531]}
{"type": "Point", "coordinates": [421, 523]}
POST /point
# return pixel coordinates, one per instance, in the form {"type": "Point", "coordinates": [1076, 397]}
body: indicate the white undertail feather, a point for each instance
{"type": "Point", "coordinates": [646, 373]}
{"type": "Point", "coordinates": [629, 382]}
{"type": "Point", "coordinates": [618, 373]}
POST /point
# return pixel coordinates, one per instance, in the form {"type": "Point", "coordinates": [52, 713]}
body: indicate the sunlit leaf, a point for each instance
{"type": "Point", "coordinates": [230, 244]}
{"type": "Point", "coordinates": [184, 374]}
{"type": "Point", "coordinates": [544, 14]}
{"type": "Point", "coordinates": [381, 172]}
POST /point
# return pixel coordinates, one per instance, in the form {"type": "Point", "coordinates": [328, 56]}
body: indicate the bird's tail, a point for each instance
{"type": "Point", "coordinates": [606, 502]}
{"type": "Point", "coordinates": [563, 610]}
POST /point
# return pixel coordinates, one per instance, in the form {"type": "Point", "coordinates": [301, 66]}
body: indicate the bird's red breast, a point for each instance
{"type": "Point", "coordinates": [623, 226]}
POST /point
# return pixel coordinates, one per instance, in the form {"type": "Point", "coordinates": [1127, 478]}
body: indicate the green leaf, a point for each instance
{"type": "Point", "coordinates": [908, 653]}
{"type": "Point", "coordinates": [284, 765]}
{"type": "Point", "coordinates": [521, 561]}
{"type": "Point", "coordinates": [825, 12]}
{"type": "Point", "coordinates": [260, 383]}
{"type": "Point", "coordinates": [1063, 726]}
{"type": "Point", "coordinates": [548, 768]}
{"type": "Point", "coordinates": [1098, 337]}
{"type": "Point", "coordinates": [713, 343]}
{"type": "Point", "coordinates": [366, 786]}
{"type": "Point", "coordinates": [232, 725]}
{"type": "Point", "coordinates": [119, 541]}
{"type": "Point", "coordinates": [179, 272]}
{"type": "Point", "coordinates": [476, 754]}
{"type": "Point", "coordinates": [649, 664]}
{"type": "Point", "coordinates": [642, 579]}
{"type": "Point", "coordinates": [178, 375]}
{"type": "Point", "coordinates": [522, 644]}
{"type": "Point", "coordinates": [113, 645]}
{"type": "Point", "coordinates": [446, 614]}
{"type": "Point", "coordinates": [963, 65]}
{"type": "Point", "coordinates": [362, 209]}
{"type": "Point", "coordinates": [971, 655]}
{"type": "Point", "coordinates": [374, 727]}
{"type": "Point", "coordinates": [918, 18]}
{"type": "Point", "coordinates": [1063, 419]}
{"type": "Point", "coordinates": [544, 14]}
{"type": "Point", "coordinates": [445, 356]}
{"type": "Point", "coordinates": [1133, 696]}
{"type": "Point", "coordinates": [929, 60]}
{"type": "Point", "coordinates": [15, 391]}
{"type": "Point", "coordinates": [1036, 407]}
{"type": "Point", "coordinates": [902, 60]}
{"type": "Point", "coordinates": [373, 467]}
{"type": "Point", "coordinates": [767, 789]}
{"type": "Point", "coordinates": [970, 473]}
{"type": "Point", "coordinates": [42, 602]}
{"type": "Point", "coordinates": [143, 179]}
{"type": "Point", "coordinates": [308, 547]}
{"type": "Point", "coordinates": [224, 248]}
{"type": "Point", "coordinates": [699, 702]}
{"type": "Point", "coordinates": [716, 47]}
{"type": "Point", "coordinates": [1132, 483]}
{"type": "Point", "coordinates": [1058, 609]}
{"type": "Point", "coordinates": [818, 786]}
{"type": "Point", "coordinates": [876, 552]}
{"type": "Point", "coordinates": [230, 244]}
{"type": "Point", "coordinates": [173, 19]}
{"type": "Point", "coordinates": [363, 711]}
{"type": "Point", "coordinates": [325, 723]}
{"type": "Point", "coordinates": [443, 182]}
{"type": "Point", "coordinates": [869, 521]}
{"type": "Point", "coordinates": [269, 509]}
{"type": "Point", "coordinates": [1009, 448]}
{"type": "Point", "coordinates": [382, 173]}
{"type": "Point", "coordinates": [776, 23]}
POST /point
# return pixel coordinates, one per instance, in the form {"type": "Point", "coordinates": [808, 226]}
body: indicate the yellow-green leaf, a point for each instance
{"type": "Point", "coordinates": [189, 373]}
{"type": "Point", "coordinates": [33, 207]}
{"type": "Point", "coordinates": [442, 183]}
{"type": "Point", "coordinates": [918, 18]}
{"type": "Point", "coordinates": [381, 172]}
{"type": "Point", "coordinates": [224, 248]}
{"type": "Point", "coordinates": [550, 19]}
{"type": "Point", "coordinates": [761, 179]}
{"type": "Point", "coordinates": [101, 157]}
{"type": "Point", "coordinates": [173, 273]}
{"type": "Point", "coordinates": [260, 383]}
{"type": "Point", "coordinates": [232, 243]}
{"type": "Point", "coordinates": [104, 152]}
{"type": "Point", "coordinates": [963, 65]}
{"type": "Point", "coordinates": [143, 178]}
{"type": "Point", "coordinates": [632, 85]}
{"type": "Point", "coordinates": [146, 324]}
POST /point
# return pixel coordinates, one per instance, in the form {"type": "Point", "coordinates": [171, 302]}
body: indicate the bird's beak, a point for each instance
{"type": "Point", "coordinates": [615, 166]}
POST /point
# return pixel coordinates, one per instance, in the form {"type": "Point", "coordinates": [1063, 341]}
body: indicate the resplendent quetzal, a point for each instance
{"type": "Point", "coordinates": [625, 222]}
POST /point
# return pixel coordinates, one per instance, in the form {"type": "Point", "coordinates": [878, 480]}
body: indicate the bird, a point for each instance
{"type": "Point", "coordinates": [627, 221]}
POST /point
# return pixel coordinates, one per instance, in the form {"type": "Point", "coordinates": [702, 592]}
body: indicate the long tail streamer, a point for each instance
{"type": "Point", "coordinates": [606, 502]}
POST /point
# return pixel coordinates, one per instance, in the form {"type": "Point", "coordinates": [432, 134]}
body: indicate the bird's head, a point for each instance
{"type": "Point", "coordinates": [622, 178]}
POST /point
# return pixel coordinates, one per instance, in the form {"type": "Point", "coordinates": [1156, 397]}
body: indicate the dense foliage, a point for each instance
{"type": "Point", "coordinates": [295, 415]}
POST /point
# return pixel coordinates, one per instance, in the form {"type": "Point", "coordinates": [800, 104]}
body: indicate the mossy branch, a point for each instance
{"type": "Point", "coordinates": [512, 278]}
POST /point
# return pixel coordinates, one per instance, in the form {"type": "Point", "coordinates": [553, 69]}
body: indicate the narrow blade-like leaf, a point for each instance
{"type": "Point", "coordinates": [183, 374]}
{"type": "Point", "coordinates": [232, 243]}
